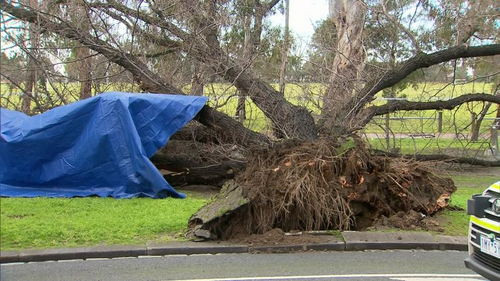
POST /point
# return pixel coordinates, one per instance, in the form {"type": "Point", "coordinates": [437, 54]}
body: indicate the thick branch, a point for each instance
{"type": "Point", "coordinates": [434, 105]}
{"type": "Point", "coordinates": [441, 157]}
{"type": "Point", "coordinates": [421, 60]}
{"type": "Point", "coordinates": [290, 121]}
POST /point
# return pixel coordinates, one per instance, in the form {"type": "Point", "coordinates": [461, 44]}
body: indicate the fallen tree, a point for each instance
{"type": "Point", "coordinates": [310, 174]}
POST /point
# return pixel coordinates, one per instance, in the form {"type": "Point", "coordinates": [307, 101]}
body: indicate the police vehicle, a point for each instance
{"type": "Point", "coordinates": [484, 233]}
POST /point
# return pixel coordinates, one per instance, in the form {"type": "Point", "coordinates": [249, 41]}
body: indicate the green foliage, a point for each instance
{"type": "Point", "coordinates": [58, 222]}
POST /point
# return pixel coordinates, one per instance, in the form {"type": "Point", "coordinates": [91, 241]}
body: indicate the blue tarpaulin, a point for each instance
{"type": "Point", "coordinates": [99, 146]}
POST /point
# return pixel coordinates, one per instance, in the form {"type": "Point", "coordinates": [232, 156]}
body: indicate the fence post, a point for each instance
{"type": "Point", "coordinates": [494, 140]}
{"type": "Point", "coordinates": [473, 122]}
{"type": "Point", "coordinates": [440, 121]}
{"type": "Point", "coordinates": [387, 132]}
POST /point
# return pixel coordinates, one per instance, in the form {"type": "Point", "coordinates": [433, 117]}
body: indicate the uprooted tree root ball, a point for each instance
{"type": "Point", "coordinates": [318, 185]}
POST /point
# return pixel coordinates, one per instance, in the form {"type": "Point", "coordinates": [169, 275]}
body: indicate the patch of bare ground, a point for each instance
{"type": "Point", "coordinates": [204, 191]}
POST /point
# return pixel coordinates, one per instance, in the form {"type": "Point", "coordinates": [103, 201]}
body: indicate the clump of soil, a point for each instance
{"type": "Point", "coordinates": [407, 221]}
{"type": "Point", "coordinates": [319, 185]}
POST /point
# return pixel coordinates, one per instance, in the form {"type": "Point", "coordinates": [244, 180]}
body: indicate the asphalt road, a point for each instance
{"type": "Point", "coordinates": [348, 266]}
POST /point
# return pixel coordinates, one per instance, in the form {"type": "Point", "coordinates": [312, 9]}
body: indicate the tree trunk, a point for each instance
{"type": "Point", "coordinates": [191, 162]}
{"type": "Point", "coordinates": [286, 43]}
{"type": "Point", "coordinates": [497, 118]}
{"type": "Point", "coordinates": [30, 91]}
{"type": "Point", "coordinates": [349, 18]}
{"type": "Point", "coordinates": [197, 83]}
{"type": "Point", "coordinates": [241, 111]}
{"type": "Point", "coordinates": [289, 121]}
{"type": "Point", "coordinates": [248, 53]}
{"type": "Point", "coordinates": [215, 175]}
{"type": "Point", "coordinates": [476, 123]}
{"type": "Point", "coordinates": [85, 72]}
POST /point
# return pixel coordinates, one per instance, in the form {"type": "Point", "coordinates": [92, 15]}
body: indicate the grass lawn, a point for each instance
{"type": "Point", "coordinates": [455, 147]}
{"type": "Point", "coordinates": [457, 222]}
{"type": "Point", "coordinates": [57, 222]}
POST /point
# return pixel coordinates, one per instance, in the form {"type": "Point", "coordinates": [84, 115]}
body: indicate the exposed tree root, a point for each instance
{"type": "Point", "coordinates": [313, 185]}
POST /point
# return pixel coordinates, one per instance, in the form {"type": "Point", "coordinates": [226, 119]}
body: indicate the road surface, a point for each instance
{"type": "Point", "coordinates": [345, 266]}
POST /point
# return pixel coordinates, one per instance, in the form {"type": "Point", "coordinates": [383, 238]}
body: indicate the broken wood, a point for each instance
{"type": "Point", "coordinates": [193, 163]}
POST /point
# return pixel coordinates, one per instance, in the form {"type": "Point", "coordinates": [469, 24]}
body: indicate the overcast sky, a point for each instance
{"type": "Point", "coordinates": [303, 16]}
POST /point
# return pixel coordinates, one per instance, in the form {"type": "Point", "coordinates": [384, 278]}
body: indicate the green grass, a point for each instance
{"type": "Point", "coordinates": [454, 147]}
{"type": "Point", "coordinates": [456, 222]}
{"type": "Point", "coordinates": [57, 222]}
{"type": "Point", "coordinates": [468, 182]}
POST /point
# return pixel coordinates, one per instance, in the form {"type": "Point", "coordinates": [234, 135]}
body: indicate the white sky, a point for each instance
{"type": "Point", "coordinates": [303, 17]}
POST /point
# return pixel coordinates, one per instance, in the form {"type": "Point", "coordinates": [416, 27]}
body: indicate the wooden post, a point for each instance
{"type": "Point", "coordinates": [473, 123]}
{"type": "Point", "coordinates": [387, 132]}
{"type": "Point", "coordinates": [440, 121]}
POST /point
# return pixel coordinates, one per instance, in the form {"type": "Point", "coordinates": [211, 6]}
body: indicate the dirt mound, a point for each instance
{"type": "Point", "coordinates": [407, 221]}
{"type": "Point", "coordinates": [318, 185]}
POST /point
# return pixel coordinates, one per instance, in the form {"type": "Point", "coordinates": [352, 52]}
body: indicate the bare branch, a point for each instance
{"type": "Point", "coordinates": [401, 26]}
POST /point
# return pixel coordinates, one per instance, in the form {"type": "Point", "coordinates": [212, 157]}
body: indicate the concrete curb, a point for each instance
{"type": "Point", "coordinates": [193, 248]}
{"type": "Point", "coordinates": [355, 241]}
{"type": "Point", "coordinates": [352, 241]}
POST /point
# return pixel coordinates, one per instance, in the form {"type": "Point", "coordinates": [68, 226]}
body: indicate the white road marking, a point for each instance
{"type": "Point", "coordinates": [436, 279]}
{"type": "Point", "coordinates": [403, 277]}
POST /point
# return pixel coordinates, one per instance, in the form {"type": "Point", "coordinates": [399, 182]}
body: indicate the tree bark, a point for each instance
{"type": "Point", "coordinates": [290, 121]}
{"type": "Point", "coordinates": [30, 90]}
{"type": "Point", "coordinates": [85, 72]}
{"type": "Point", "coordinates": [476, 125]}
{"type": "Point", "coordinates": [286, 43]}
{"type": "Point", "coordinates": [215, 175]}
{"type": "Point", "coordinates": [79, 17]}
{"type": "Point", "coordinates": [349, 18]}
{"type": "Point", "coordinates": [190, 162]}
{"type": "Point", "coordinates": [197, 83]}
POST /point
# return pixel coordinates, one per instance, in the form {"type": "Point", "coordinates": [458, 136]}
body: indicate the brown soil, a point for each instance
{"type": "Point", "coordinates": [206, 191]}
{"type": "Point", "coordinates": [407, 221]}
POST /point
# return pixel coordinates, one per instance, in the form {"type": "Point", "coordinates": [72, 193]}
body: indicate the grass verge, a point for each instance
{"type": "Point", "coordinates": [61, 222]}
